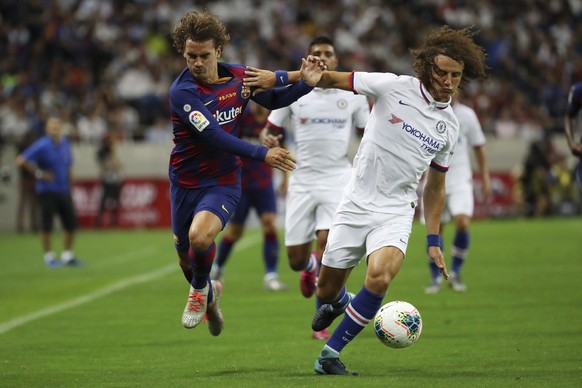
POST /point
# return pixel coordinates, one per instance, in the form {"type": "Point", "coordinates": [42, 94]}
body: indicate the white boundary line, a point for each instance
{"type": "Point", "coordinates": [245, 243]}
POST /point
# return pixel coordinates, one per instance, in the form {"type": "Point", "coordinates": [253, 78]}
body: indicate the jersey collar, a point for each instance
{"type": "Point", "coordinates": [431, 101]}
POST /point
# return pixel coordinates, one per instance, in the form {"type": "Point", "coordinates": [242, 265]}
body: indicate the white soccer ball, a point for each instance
{"type": "Point", "coordinates": [398, 324]}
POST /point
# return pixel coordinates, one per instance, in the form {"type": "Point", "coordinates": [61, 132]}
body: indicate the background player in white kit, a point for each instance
{"type": "Point", "coordinates": [459, 203]}
{"type": "Point", "coordinates": [323, 122]}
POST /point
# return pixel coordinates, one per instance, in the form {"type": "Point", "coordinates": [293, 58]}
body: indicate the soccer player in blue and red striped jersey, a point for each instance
{"type": "Point", "coordinates": [258, 192]}
{"type": "Point", "coordinates": [573, 117]}
{"type": "Point", "coordinates": [206, 104]}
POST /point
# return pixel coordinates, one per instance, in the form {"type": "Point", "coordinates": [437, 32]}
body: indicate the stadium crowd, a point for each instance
{"type": "Point", "coordinates": [106, 65]}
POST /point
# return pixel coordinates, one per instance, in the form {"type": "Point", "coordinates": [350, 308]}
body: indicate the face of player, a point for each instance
{"type": "Point", "coordinates": [446, 77]}
{"type": "Point", "coordinates": [326, 53]}
{"type": "Point", "coordinates": [53, 128]}
{"type": "Point", "coordinates": [202, 60]}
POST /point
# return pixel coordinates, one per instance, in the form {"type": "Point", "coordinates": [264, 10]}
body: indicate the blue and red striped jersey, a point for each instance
{"type": "Point", "coordinates": [205, 120]}
{"type": "Point", "coordinates": [255, 174]}
{"type": "Point", "coordinates": [201, 115]}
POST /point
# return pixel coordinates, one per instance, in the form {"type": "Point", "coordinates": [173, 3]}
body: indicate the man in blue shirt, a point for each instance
{"type": "Point", "coordinates": [50, 159]}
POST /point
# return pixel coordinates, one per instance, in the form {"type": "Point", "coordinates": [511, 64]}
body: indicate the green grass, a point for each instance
{"type": "Point", "coordinates": [116, 321]}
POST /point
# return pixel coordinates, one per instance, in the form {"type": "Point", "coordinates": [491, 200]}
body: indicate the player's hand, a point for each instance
{"type": "Point", "coordinates": [436, 255]}
{"type": "Point", "coordinates": [270, 140]}
{"type": "Point", "coordinates": [259, 79]}
{"type": "Point", "coordinates": [280, 159]}
{"type": "Point", "coordinates": [311, 69]}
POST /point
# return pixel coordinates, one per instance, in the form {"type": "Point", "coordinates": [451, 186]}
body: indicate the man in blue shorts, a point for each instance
{"type": "Point", "coordinates": [573, 117]}
{"type": "Point", "coordinates": [50, 159]}
{"type": "Point", "coordinates": [207, 100]}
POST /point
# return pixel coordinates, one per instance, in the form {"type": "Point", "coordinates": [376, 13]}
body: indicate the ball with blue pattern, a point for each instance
{"type": "Point", "coordinates": [398, 324]}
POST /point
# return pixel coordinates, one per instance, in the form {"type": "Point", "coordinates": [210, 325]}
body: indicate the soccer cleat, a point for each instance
{"type": "Point", "coordinates": [74, 262]}
{"type": "Point", "coordinates": [272, 282]}
{"type": "Point", "coordinates": [320, 335]}
{"type": "Point", "coordinates": [308, 282]}
{"type": "Point", "coordinates": [326, 314]}
{"type": "Point", "coordinates": [53, 263]}
{"type": "Point", "coordinates": [195, 309]}
{"type": "Point", "coordinates": [456, 284]}
{"type": "Point", "coordinates": [434, 286]}
{"type": "Point", "coordinates": [332, 366]}
{"type": "Point", "coordinates": [214, 314]}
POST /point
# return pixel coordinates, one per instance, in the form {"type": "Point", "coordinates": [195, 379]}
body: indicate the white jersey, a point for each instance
{"type": "Point", "coordinates": [322, 121]}
{"type": "Point", "coordinates": [470, 135]}
{"type": "Point", "coordinates": [407, 131]}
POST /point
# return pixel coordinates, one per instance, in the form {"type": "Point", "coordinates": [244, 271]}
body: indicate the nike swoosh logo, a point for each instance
{"type": "Point", "coordinates": [209, 102]}
{"type": "Point", "coordinates": [281, 78]}
{"type": "Point", "coordinates": [403, 103]}
{"type": "Point", "coordinates": [224, 208]}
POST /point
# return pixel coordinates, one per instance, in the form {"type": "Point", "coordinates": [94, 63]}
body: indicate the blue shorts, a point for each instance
{"type": "Point", "coordinates": [263, 200]}
{"type": "Point", "coordinates": [185, 203]}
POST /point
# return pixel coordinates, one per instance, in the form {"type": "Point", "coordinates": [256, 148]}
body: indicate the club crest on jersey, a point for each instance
{"type": "Point", "coordinates": [198, 120]}
{"type": "Point", "coordinates": [441, 127]}
{"type": "Point", "coordinates": [187, 108]}
{"type": "Point", "coordinates": [245, 92]}
{"type": "Point", "coordinates": [342, 104]}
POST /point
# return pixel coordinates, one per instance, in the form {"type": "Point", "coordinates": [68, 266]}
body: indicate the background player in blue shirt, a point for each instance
{"type": "Point", "coordinates": [573, 118]}
{"type": "Point", "coordinates": [50, 159]}
{"type": "Point", "coordinates": [206, 104]}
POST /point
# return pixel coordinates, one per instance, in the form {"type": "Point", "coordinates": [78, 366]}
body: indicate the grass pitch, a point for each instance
{"type": "Point", "coordinates": [116, 321]}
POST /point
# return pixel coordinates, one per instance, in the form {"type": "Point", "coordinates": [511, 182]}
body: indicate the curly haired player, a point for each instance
{"type": "Point", "coordinates": [412, 126]}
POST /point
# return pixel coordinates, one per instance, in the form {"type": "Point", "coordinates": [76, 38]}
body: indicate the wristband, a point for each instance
{"type": "Point", "coordinates": [433, 240]}
{"type": "Point", "coordinates": [38, 173]}
{"type": "Point", "coordinates": [281, 78]}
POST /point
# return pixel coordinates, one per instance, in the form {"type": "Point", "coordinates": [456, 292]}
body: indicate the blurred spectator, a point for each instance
{"type": "Point", "coordinates": [61, 52]}
{"type": "Point", "coordinates": [110, 167]}
{"type": "Point", "coordinates": [536, 176]}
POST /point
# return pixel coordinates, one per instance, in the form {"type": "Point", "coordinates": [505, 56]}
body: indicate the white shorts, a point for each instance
{"type": "Point", "coordinates": [459, 201]}
{"type": "Point", "coordinates": [356, 232]}
{"type": "Point", "coordinates": [307, 212]}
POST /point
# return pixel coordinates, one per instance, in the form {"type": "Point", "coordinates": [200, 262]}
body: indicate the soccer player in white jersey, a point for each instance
{"type": "Point", "coordinates": [322, 122]}
{"type": "Point", "coordinates": [411, 127]}
{"type": "Point", "coordinates": [459, 203]}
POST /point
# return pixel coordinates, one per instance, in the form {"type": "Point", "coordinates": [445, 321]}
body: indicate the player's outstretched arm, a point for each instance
{"type": "Point", "coordinates": [261, 80]}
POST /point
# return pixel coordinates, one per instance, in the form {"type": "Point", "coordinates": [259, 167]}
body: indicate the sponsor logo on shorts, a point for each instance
{"type": "Point", "coordinates": [225, 209]}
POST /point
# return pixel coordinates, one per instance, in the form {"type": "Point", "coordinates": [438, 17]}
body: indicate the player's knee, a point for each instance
{"type": "Point", "coordinates": [378, 282]}
{"type": "Point", "coordinates": [200, 242]}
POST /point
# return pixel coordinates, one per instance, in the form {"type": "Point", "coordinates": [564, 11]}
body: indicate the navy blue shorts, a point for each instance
{"type": "Point", "coordinates": [185, 203]}
{"type": "Point", "coordinates": [263, 200]}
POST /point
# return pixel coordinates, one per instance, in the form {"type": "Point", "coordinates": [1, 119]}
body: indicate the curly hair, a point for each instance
{"type": "Point", "coordinates": [456, 44]}
{"type": "Point", "coordinates": [199, 27]}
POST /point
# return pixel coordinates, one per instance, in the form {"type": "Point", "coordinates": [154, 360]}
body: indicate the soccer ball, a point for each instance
{"type": "Point", "coordinates": [398, 324]}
